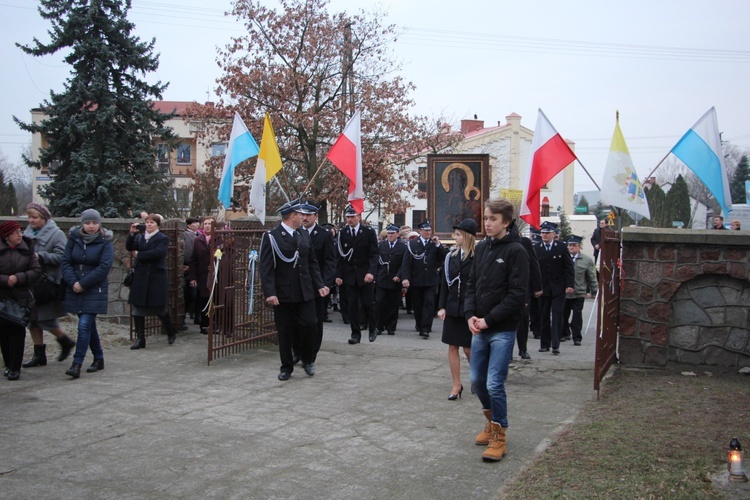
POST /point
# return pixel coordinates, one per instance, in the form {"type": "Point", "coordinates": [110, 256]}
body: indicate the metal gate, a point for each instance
{"type": "Point", "coordinates": [608, 314]}
{"type": "Point", "coordinates": [239, 319]}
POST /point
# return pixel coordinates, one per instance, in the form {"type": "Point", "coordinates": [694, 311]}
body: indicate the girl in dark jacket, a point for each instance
{"type": "Point", "coordinates": [451, 303]}
{"type": "Point", "coordinates": [19, 269]}
{"type": "Point", "coordinates": [85, 268]}
{"type": "Point", "coordinates": [150, 289]}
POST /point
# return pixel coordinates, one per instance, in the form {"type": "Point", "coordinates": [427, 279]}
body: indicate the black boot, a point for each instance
{"type": "Point", "coordinates": [171, 331]}
{"type": "Point", "coordinates": [182, 326]}
{"type": "Point", "coordinates": [66, 345]}
{"type": "Point", "coordinates": [39, 358]}
{"type": "Point", "coordinates": [97, 365]}
{"type": "Point", "coordinates": [140, 332]}
{"type": "Point", "coordinates": [74, 370]}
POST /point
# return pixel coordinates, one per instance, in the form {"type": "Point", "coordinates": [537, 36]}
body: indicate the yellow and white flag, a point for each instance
{"type": "Point", "coordinates": [269, 164]}
{"type": "Point", "coordinates": [621, 186]}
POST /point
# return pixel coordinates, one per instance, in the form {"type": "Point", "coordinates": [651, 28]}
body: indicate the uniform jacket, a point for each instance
{"type": "Point", "coordinates": [89, 265]}
{"type": "Point", "coordinates": [389, 264]}
{"type": "Point", "coordinates": [556, 267]}
{"type": "Point", "coordinates": [422, 271]}
{"type": "Point", "coordinates": [325, 252]}
{"type": "Point", "coordinates": [291, 282]}
{"type": "Point", "coordinates": [452, 297]}
{"type": "Point", "coordinates": [22, 262]}
{"type": "Point", "coordinates": [585, 277]}
{"type": "Point", "coordinates": [364, 258]}
{"type": "Point", "coordinates": [535, 276]}
{"type": "Point", "coordinates": [497, 286]}
{"type": "Point", "coordinates": [150, 286]}
{"type": "Point", "coordinates": [49, 245]}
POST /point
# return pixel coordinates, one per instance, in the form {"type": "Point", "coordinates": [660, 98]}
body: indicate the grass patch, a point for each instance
{"type": "Point", "coordinates": [652, 434]}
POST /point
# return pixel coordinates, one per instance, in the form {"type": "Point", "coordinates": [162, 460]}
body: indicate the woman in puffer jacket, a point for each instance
{"type": "Point", "coordinates": [85, 268]}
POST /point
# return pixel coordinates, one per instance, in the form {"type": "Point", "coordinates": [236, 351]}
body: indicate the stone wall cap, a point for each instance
{"type": "Point", "coordinates": [690, 236]}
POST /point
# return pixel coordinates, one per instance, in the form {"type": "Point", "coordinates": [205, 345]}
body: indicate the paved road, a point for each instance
{"type": "Point", "coordinates": [374, 422]}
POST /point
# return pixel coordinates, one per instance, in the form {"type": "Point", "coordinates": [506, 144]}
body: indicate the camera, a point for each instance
{"type": "Point", "coordinates": [140, 227]}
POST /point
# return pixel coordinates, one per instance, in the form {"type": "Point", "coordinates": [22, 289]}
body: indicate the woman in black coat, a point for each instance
{"type": "Point", "coordinates": [199, 268]}
{"type": "Point", "coordinates": [149, 291]}
{"type": "Point", "coordinates": [19, 269]}
{"type": "Point", "coordinates": [451, 302]}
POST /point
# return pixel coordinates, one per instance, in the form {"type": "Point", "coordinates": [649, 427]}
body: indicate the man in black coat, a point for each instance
{"type": "Point", "coordinates": [556, 267]}
{"type": "Point", "coordinates": [290, 277]}
{"type": "Point", "coordinates": [419, 273]}
{"type": "Point", "coordinates": [534, 291]}
{"type": "Point", "coordinates": [357, 246]}
{"type": "Point", "coordinates": [325, 252]}
{"type": "Point", "coordinates": [387, 282]}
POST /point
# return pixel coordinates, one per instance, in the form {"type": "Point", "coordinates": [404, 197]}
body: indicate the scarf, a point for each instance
{"type": "Point", "coordinates": [148, 236]}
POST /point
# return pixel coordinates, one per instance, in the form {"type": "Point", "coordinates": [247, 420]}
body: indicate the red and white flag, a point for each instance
{"type": "Point", "coordinates": [346, 155]}
{"type": "Point", "coordinates": [549, 155]}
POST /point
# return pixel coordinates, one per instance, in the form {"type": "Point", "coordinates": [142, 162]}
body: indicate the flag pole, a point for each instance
{"type": "Point", "coordinates": [587, 173]}
{"type": "Point", "coordinates": [658, 165]}
{"type": "Point", "coordinates": [315, 175]}
{"type": "Point", "coordinates": [281, 188]}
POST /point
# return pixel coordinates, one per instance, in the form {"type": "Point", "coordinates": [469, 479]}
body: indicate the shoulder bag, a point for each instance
{"type": "Point", "coordinates": [13, 312]}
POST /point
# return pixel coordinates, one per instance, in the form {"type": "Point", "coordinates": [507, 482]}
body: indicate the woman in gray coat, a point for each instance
{"type": "Point", "coordinates": [49, 245]}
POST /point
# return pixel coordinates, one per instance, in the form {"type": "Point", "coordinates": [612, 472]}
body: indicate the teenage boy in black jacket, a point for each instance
{"type": "Point", "coordinates": [495, 296]}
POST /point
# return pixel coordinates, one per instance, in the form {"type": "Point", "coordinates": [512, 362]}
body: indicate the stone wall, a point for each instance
{"type": "Point", "coordinates": [685, 297]}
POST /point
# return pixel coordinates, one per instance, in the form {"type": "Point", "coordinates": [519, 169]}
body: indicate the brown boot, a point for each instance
{"type": "Point", "coordinates": [496, 449]}
{"type": "Point", "coordinates": [483, 438]}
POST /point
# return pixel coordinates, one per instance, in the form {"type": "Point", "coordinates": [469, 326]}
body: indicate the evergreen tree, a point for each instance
{"type": "Point", "coordinates": [678, 202]}
{"type": "Point", "coordinates": [737, 186]}
{"type": "Point", "coordinates": [657, 207]}
{"type": "Point", "coordinates": [101, 128]}
{"type": "Point", "coordinates": [583, 202]}
{"type": "Point", "coordinates": [565, 230]}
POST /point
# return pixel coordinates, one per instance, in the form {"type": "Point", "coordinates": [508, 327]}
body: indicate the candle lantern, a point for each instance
{"type": "Point", "coordinates": [735, 461]}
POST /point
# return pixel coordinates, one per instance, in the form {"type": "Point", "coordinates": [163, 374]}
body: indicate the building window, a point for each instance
{"type": "Point", "coordinates": [422, 182]}
{"type": "Point", "coordinates": [182, 197]}
{"type": "Point", "coordinates": [417, 217]}
{"type": "Point", "coordinates": [162, 158]}
{"type": "Point", "coordinates": [399, 219]}
{"type": "Point", "coordinates": [545, 207]}
{"type": "Point", "coordinates": [218, 149]}
{"type": "Point", "coordinates": [184, 154]}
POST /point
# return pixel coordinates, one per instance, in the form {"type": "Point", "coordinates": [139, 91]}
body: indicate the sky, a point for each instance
{"type": "Point", "coordinates": [661, 64]}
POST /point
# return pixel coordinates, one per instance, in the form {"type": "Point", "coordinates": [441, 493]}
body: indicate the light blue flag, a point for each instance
{"type": "Point", "coordinates": [700, 150]}
{"type": "Point", "coordinates": [241, 147]}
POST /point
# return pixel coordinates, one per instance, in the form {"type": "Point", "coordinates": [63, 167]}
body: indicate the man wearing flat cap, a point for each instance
{"type": "Point", "coordinates": [357, 246]}
{"type": "Point", "coordinates": [291, 280]}
{"type": "Point", "coordinates": [556, 267]}
{"type": "Point", "coordinates": [419, 273]}
{"type": "Point", "coordinates": [584, 287]}
{"type": "Point", "coordinates": [387, 282]}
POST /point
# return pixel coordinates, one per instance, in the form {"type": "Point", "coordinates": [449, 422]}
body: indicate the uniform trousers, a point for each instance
{"type": "Point", "coordinates": [295, 323]}
{"type": "Point", "coordinates": [423, 300]}
{"type": "Point", "coordinates": [387, 302]}
{"type": "Point", "coordinates": [361, 296]}
{"type": "Point", "coordinates": [551, 318]}
{"type": "Point", "coordinates": [572, 326]}
{"type": "Point", "coordinates": [522, 333]}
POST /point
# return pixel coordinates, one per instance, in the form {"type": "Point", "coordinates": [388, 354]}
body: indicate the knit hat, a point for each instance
{"type": "Point", "coordinates": [90, 215]}
{"type": "Point", "coordinates": [7, 228]}
{"type": "Point", "coordinates": [43, 211]}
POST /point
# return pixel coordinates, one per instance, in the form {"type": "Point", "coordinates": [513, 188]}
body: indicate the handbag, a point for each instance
{"type": "Point", "coordinates": [13, 312]}
{"type": "Point", "coordinates": [129, 277]}
{"type": "Point", "coordinates": [46, 290]}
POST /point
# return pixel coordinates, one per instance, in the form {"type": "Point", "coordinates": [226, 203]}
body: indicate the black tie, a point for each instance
{"type": "Point", "coordinates": [392, 246]}
{"type": "Point", "coordinates": [549, 247]}
{"type": "Point", "coordinates": [353, 233]}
